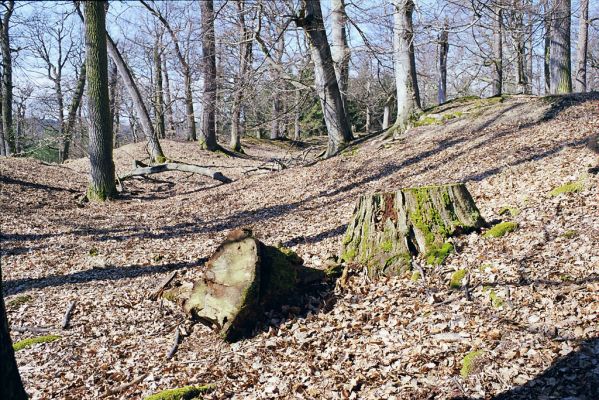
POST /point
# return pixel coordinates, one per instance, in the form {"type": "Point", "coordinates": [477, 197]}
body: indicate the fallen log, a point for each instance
{"type": "Point", "coordinates": [174, 166]}
{"type": "Point", "coordinates": [388, 229]}
{"type": "Point", "coordinates": [243, 279]}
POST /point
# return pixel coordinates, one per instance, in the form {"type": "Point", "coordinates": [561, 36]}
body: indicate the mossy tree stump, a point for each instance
{"type": "Point", "coordinates": [387, 229]}
{"type": "Point", "coordinates": [243, 278]}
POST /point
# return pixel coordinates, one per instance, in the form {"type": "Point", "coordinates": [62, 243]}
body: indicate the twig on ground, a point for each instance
{"type": "Point", "coordinates": [67, 315]}
{"type": "Point", "coordinates": [173, 350]}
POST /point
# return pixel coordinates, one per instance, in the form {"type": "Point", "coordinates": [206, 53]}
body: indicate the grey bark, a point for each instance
{"type": "Point", "coordinates": [7, 87]}
{"type": "Point", "coordinates": [339, 47]}
{"type": "Point", "coordinates": [160, 125]}
{"type": "Point", "coordinates": [547, 46]}
{"type": "Point", "coordinates": [404, 62]}
{"type": "Point", "coordinates": [112, 93]}
{"type": "Point", "coordinates": [580, 81]}
{"type": "Point", "coordinates": [102, 183]}
{"type": "Point", "coordinates": [530, 47]}
{"type": "Point", "coordinates": [443, 51]}
{"type": "Point", "coordinates": [168, 107]}
{"type": "Point", "coordinates": [208, 131]}
{"type": "Point", "coordinates": [277, 101]}
{"type": "Point", "coordinates": [497, 73]}
{"type": "Point", "coordinates": [335, 117]}
{"type": "Point", "coordinates": [560, 57]}
{"type": "Point", "coordinates": [72, 115]}
{"type": "Point", "coordinates": [3, 141]}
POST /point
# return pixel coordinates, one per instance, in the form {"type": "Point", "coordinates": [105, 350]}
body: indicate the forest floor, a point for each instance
{"type": "Point", "coordinates": [529, 328]}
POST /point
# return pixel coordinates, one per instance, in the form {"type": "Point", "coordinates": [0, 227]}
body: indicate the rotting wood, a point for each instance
{"type": "Point", "coordinates": [195, 169]}
{"type": "Point", "coordinates": [160, 288]}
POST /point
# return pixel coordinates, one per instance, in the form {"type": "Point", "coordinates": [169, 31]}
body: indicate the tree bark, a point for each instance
{"type": "Point", "coordinates": [158, 92]}
{"type": "Point", "coordinates": [11, 386]}
{"type": "Point", "coordinates": [443, 51]}
{"type": "Point", "coordinates": [208, 132]}
{"type": "Point", "coordinates": [335, 117]}
{"type": "Point", "coordinates": [530, 47]}
{"type": "Point", "coordinates": [102, 184]}
{"type": "Point", "coordinates": [559, 58]}
{"type": "Point", "coordinates": [497, 73]}
{"type": "Point", "coordinates": [168, 107]}
{"type": "Point", "coordinates": [404, 62]}
{"type": "Point", "coordinates": [277, 102]}
{"type": "Point", "coordinates": [388, 229]}
{"type": "Point", "coordinates": [112, 94]}
{"type": "Point", "coordinates": [72, 115]}
{"type": "Point", "coordinates": [582, 47]}
{"type": "Point", "coordinates": [339, 48]}
{"type": "Point", "coordinates": [3, 140]}
{"type": "Point", "coordinates": [7, 87]}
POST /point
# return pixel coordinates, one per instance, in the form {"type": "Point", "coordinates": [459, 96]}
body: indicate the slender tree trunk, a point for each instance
{"type": "Point", "coordinates": [168, 108]}
{"type": "Point", "coordinates": [497, 87]}
{"type": "Point", "coordinates": [559, 60]}
{"type": "Point", "coordinates": [3, 141]}
{"type": "Point", "coordinates": [7, 125]}
{"type": "Point", "coordinates": [408, 96]}
{"type": "Point", "coordinates": [335, 117]}
{"type": "Point", "coordinates": [158, 93]}
{"type": "Point", "coordinates": [339, 47]}
{"type": "Point", "coordinates": [443, 51]}
{"type": "Point", "coordinates": [277, 102]}
{"type": "Point", "coordinates": [581, 48]}
{"type": "Point", "coordinates": [530, 48]}
{"type": "Point", "coordinates": [208, 133]}
{"type": "Point", "coordinates": [547, 46]}
{"type": "Point", "coordinates": [387, 112]}
{"type": "Point", "coordinates": [102, 184]}
{"type": "Point", "coordinates": [112, 94]}
{"type": "Point", "coordinates": [189, 113]}
{"type": "Point", "coordinates": [11, 386]}
{"type": "Point", "coordinates": [72, 115]}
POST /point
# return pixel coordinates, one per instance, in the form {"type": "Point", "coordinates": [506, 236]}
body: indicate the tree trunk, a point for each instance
{"type": "Point", "coordinates": [11, 386]}
{"type": "Point", "coordinates": [559, 59]}
{"type": "Point", "coordinates": [443, 51]}
{"type": "Point", "coordinates": [530, 47]}
{"type": "Point", "coordinates": [497, 86]}
{"type": "Point", "coordinates": [168, 108]}
{"type": "Point", "coordinates": [581, 48]}
{"type": "Point", "coordinates": [102, 184]}
{"type": "Point", "coordinates": [335, 117]}
{"type": "Point", "coordinates": [7, 125]}
{"type": "Point", "coordinates": [208, 133]}
{"type": "Point", "coordinates": [388, 229]}
{"type": "Point", "coordinates": [243, 279]}
{"type": "Point", "coordinates": [387, 112]}
{"type": "Point", "coordinates": [404, 62]}
{"type": "Point", "coordinates": [547, 46]}
{"type": "Point", "coordinates": [277, 102]}
{"type": "Point", "coordinates": [72, 115]}
{"type": "Point", "coordinates": [112, 95]}
{"type": "Point", "coordinates": [339, 48]}
{"type": "Point", "coordinates": [158, 91]}
{"type": "Point", "coordinates": [3, 141]}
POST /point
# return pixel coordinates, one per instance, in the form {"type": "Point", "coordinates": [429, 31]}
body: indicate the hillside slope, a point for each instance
{"type": "Point", "coordinates": [530, 329]}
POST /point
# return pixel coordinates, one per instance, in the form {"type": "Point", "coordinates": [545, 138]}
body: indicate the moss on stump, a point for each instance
{"type": "Point", "coordinates": [388, 229]}
{"type": "Point", "coordinates": [243, 278]}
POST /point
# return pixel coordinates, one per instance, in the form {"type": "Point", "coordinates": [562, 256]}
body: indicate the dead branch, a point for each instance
{"type": "Point", "coordinates": [156, 169]}
{"type": "Point", "coordinates": [160, 288]}
{"type": "Point", "coordinates": [67, 315]}
{"type": "Point", "coordinates": [32, 329]}
{"type": "Point", "coordinates": [125, 386]}
{"type": "Point", "coordinates": [173, 350]}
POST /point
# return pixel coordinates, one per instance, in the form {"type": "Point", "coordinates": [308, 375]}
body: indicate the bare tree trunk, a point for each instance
{"type": "Point", "coordinates": [339, 47]}
{"type": "Point", "coordinates": [7, 125]}
{"type": "Point", "coordinates": [158, 92]}
{"type": "Point", "coordinates": [559, 60]}
{"type": "Point", "coordinates": [72, 116]}
{"type": "Point", "coordinates": [547, 46]}
{"type": "Point", "coordinates": [581, 47]}
{"type": "Point", "coordinates": [3, 141]}
{"type": "Point", "coordinates": [277, 102]}
{"type": "Point", "coordinates": [443, 51]}
{"type": "Point", "coordinates": [387, 112]}
{"type": "Point", "coordinates": [12, 386]}
{"type": "Point", "coordinates": [408, 96]}
{"type": "Point", "coordinates": [168, 108]}
{"type": "Point", "coordinates": [530, 47]}
{"type": "Point", "coordinates": [102, 185]}
{"type": "Point", "coordinates": [335, 117]}
{"type": "Point", "coordinates": [112, 94]}
{"type": "Point", "coordinates": [208, 132]}
{"type": "Point", "coordinates": [497, 86]}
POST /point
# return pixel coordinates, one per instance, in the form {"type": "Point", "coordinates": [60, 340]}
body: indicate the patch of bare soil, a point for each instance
{"type": "Point", "coordinates": [526, 326]}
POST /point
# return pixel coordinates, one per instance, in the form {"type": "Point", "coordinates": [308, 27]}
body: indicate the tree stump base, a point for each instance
{"type": "Point", "coordinates": [388, 229]}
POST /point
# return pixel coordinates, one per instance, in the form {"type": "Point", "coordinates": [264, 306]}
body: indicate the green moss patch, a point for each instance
{"type": "Point", "coordinates": [469, 362]}
{"type": "Point", "coordinates": [509, 211]}
{"type": "Point", "coordinates": [437, 255]}
{"type": "Point", "coordinates": [501, 229]}
{"type": "Point", "coordinates": [184, 393]}
{"type": "Point", "coordinates": [415, 276]}
{"type": "Point", "coordinates": [19, 301]}
{"type": "Point", "coordinates": [456, 278]}
{"type": "Point", "coordinates": [23, 344]}
{"type": "Point", "coordinates": [569, 234]}
{"type": "Point", "coordinates": [572, 187]}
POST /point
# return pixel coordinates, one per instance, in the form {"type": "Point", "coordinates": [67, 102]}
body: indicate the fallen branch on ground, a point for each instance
{"type": "Point", "coordinates": [67, 315]}
{"type": "Point", "coordinates": [158, 291]}
{"type": "Point", "coordinates": [156, 169]}
{"type": "Point", "coordinates": [32, 329]}
{"type": "Point", "coordinates": [173, 350]}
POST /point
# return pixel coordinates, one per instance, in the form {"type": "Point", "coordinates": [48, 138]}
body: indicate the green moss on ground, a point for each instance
{"type": "Point", "coordinates": [456, 278]}
{"type": "Point", "coordinates": [415, 276]}
{"type": "Point", "coordinates": [509, 211]}
{"type": "Point", "coordinates": [469, 362]}
{"type": "Point", "coordinates": [501, 229]}
{"type": "Point", "coordinates": [23, 344]}
{"type": "Point", "coordinates": [437, 255]}
{"type": "Point", "coordinates": [93, 252]}
{"type": "Point", "coordinates": [572, 187]}
{"type": "Point", "coordinates": [19, 301]}
{"type": "Point", "coordinates": [569, 234]}
{"type": "Point", "coordinates": [184, 393]}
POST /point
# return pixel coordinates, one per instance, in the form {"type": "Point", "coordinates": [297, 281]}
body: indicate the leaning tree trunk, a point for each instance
{"type": "Point", "coordinates": [388, 229]}
{"type": "Point", "coordinates": [7, 124]}
{"type": "Point", "coordinates": [404, 63]}
{"type": "Point", "coordinates": [72, 115]}
{"type": "Point", "coordinates": [581, 48]}
{"type": "Point", "coordinates": [11, 386]}
{"type": "Point", "coordinates": [443, 51]}
{"type": "Point", "coordinates": [559, 58]}
{"type": "Point", "coordinates": [102, 185]}
{"type": "Point", "coordinates": [327, 87]}
{"type": "Point", "coordinates": [208, 132]}
{"type": "Point", "coordinates": [497, 85]}
{"type": "Point", "coordinates": [339, 47]}
{"type": "Point", "coordinates": [244, 278]}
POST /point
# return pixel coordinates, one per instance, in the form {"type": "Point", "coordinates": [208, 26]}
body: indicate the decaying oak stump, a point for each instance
{"type": "Point", "coordinates": [387, 229]}
{"type": "Point", "coordinates": [243, 278]}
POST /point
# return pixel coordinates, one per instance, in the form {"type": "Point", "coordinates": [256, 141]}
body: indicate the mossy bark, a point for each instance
{"type": "Point", "coordinates": [387, 229]}
{"type": "Point", "coordinates": [243, 278]}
